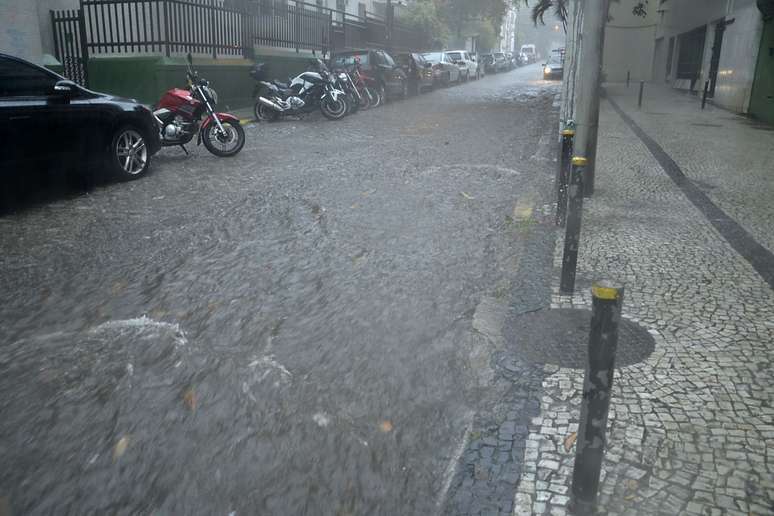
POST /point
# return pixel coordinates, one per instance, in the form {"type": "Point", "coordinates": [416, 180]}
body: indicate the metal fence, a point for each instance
{"type": "Point", "coordinates": [215, 28]}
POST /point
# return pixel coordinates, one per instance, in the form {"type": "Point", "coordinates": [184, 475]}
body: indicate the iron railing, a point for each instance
{"type": "Point", "coordinates": [231, 27]}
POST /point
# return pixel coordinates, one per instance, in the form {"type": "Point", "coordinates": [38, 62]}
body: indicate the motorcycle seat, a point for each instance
{"type": "Point", "coordinates": [281, 85]}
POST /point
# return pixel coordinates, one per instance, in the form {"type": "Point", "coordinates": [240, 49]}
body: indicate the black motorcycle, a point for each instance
{"type": "Point", "coordinates": [310, 90]}
{"type": "Point", "coordinates": [344, 82]}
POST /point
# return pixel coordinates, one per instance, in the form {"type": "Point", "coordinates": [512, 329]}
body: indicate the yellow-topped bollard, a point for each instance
{"type": "Point", "coordinates": [607, 299]}
{"type": "Point", "coordinates": [563, 175]}
{"type": "Point", "coordinates": [572, 234]}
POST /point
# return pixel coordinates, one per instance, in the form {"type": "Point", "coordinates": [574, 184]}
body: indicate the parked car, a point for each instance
{"type": "Point", "coordinates": [463, 60]}
{"type": "Point", "coordinates": [418, 70]}
{"type": "Point", "coordinates": [46, 119]}
{"type": "Point", "coordinates": [522, 59]}
{"type": "Point", "coordinates": [488, 61]}
{"type": "Point", "coordinates": [501, 62]}
{"type": "Point", "coordinates": [444, 71]}
{"type": "Point", "coordinates": [554, 68]}
{"type": "Point", "coordinates": [509, 61]}
{"type": "Point", "coordinates": [379, 65]}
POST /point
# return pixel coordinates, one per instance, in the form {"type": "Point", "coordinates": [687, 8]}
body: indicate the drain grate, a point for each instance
{"type": "Point", "coordinates": [560, 337]}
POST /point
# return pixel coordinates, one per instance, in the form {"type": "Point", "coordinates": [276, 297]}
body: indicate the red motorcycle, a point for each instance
{"type": "Point", "coordinates": [179, 115]}
{"type": "Point", "coordinates": [367, 86]}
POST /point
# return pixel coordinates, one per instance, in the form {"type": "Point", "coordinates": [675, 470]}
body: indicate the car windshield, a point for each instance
{"type": "Point", "coordinates": [349, 59]}
{"type": "Point", "coordinates": [555, 60]}
{"type": "Point", "coordinates": [434, 57]}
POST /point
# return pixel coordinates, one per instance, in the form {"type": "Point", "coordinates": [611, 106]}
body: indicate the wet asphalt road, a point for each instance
{"type": "Point", "coordinates": [286, 332]}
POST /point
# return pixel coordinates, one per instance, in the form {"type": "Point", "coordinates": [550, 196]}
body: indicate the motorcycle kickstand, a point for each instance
{"type": "Point", "coordinates": [184, 150]}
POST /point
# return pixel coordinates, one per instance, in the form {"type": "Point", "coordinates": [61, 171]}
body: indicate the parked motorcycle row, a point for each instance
{"type": "Point", "coordinates": [359, 80]}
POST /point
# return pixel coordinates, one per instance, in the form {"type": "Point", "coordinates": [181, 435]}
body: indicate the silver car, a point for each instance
{"type": "Point", "coordinates": [445, 71]}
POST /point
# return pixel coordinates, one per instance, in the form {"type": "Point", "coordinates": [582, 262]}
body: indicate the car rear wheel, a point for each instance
{"type": "Point", "coordinates": [129, 157]}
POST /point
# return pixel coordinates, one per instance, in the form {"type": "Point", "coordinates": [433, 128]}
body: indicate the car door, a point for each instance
{"type": "Point", "coordinates": [23, 98]}
{"type": "Point", "coordinates": [37, 122]}
{"type": "Point", "coordinates": [393, 75]}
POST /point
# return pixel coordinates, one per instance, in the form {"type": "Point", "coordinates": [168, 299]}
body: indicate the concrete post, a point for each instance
{"type": "Point", "coordinates": [590, 73]}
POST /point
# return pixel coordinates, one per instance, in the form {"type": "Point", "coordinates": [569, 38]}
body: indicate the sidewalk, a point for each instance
{"type": "Point", "coordinates": [691, 427]}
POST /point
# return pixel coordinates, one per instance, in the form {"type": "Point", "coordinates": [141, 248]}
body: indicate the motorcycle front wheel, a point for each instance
{"type": "Point", "coordinates": [227, 143]}
{"type": "Point", "coordinates": [333, 109]}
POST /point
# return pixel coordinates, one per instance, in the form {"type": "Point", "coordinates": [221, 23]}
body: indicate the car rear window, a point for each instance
{"type": "Point", "coordinates": [349, 59]}
{"type": "Point", "coordinates": [457, 56]}
{"type": "Point", "coordinates": [434, 57]}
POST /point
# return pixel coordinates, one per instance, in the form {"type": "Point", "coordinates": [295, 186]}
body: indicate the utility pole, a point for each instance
{"type": "Point", "coordinates": [589, 74]}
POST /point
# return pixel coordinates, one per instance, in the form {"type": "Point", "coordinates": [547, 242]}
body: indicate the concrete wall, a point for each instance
{"type": "Point", "coordinates": [147, 78]}
{"type": "Point", "coordinates": [739, 50]}
{"type": "Point", "coordinates": [629, 44]}
{"type": "Point", "coordinates": [20, 30]}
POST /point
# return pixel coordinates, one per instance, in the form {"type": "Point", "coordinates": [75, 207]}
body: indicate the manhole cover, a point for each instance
{"type": "Point", "coordinates": [560, 337]}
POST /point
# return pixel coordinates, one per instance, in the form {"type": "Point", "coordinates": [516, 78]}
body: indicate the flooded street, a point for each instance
{"type": "Point", "coordinates": [282, 333]}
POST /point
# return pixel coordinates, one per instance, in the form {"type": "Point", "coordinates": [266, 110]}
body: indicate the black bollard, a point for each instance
{"type": "Point", "coordinates": [642, 90]}
{"type": "Point", "coordinates": [572, 234]}
{"type": "Point", "coordinates": [563, 176]}
{"type": "Point", "coordinates": [597, 386]}
{"type": "Point", "coordinates": [706, 92]}
{"type": "Point", "coordinates": [628, 79]}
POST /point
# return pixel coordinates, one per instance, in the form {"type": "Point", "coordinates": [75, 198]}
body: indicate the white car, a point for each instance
{"type": "Point", "coordinates": [444, 71]}
{"type": "Point", "coordinates": [468, 66]}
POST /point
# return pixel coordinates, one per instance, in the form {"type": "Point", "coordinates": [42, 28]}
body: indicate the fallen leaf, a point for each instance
{"type": "Point", "coordinates": [632, 484]}
{"type": "Point", "coordinates": [189, 398]}
{"type": "Point", "coordinates": [569, 441]}
{"type": "Point", "coordinates": [118, 287]}
{"type": "Point", "coordinates": [120, 448]}
{"type": "Point", "coordinates": [467, 196]}
{"type": "Point", "coordinates": [385, 426]}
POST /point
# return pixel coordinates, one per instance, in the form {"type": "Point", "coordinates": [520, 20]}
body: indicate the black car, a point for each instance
{"type": "Point", "coordinates": [379, 65]}
{"type": "Point", "coordinates": [48, 120]}
{"type": "Point", "coordinates": [418, 70]}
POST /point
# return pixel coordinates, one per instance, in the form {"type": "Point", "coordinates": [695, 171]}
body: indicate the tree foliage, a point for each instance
{"type": "Point", "coordinates": [448, 21]}
{"type": "Point", "coordinates": [559, 8]}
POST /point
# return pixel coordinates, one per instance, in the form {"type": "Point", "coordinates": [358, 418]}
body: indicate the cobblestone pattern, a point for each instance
{"type": "Point", "coordinates": [691, 429]}
{"type": "Point", "coordinates": [728, 156]}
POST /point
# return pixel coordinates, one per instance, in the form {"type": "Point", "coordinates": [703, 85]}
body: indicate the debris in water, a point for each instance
{"type": "Point", "coordinates": [385, 426]}
{"type": "Point", "coordinates": [467, 196]}
{"type": "Point", "coordinates": [189, 398]}
{"type": "Point", "coordinates": [569, 441]}
{"type": "Point", "coordinates": [322, 419]}
{"type": "Point", "coordinates": [120, 448]}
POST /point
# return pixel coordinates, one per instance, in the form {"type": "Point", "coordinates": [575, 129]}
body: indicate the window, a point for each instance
{"type": "Point", "coordinates": [22, 80]}
{"type": "Point", "coordinates": [361, 10]}
{"type": "Point", "coordinates": [455, 56]}
{"type": "Point", "coordinates": [341, 5]}
{"type": "Point", "coordinates": [386, 59]}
